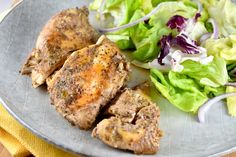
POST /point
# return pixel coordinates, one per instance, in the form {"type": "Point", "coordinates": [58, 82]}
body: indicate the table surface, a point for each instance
{"type": "Point", "coordinates": [4, 152]}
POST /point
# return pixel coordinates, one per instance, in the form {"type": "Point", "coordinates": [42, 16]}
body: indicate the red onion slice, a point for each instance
{"type": "Point", "coordinates": [151, 65]}
{"type": "Point", "coordinates": [204, 37]}
{"type": "Point", "coordinates": [199, 5]}
{"type": "Point", "coordinates": [101, 10]}
{"type": "Point", "coordinates": [215, 28]}
{"type": "Point", "coordinates": [207, 105]}
{"type": "Point", "coordinates": [146, 17]}
{"type": "Point", "coordinates": [141, 64]}
{"type": "Point", "coordinates": [233, 84]}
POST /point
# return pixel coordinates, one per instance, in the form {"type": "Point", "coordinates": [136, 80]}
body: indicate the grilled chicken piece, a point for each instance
{"type": "Point", "coordinates": [88, 80]}
{"type": "Point", "coordinates": [133, 125]}
{"type": "Point", "coordinates": [64, 33]}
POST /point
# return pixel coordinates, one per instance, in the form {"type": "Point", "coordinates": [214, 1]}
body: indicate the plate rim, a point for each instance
{"type": "Point", "coordinates": [9, 10]}
{"type": "Point", "coordinates": [50, 140]}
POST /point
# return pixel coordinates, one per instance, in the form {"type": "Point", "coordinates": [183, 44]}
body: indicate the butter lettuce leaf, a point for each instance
{"type": "Point", "coordinates": [183, 92]}
{"type": "Point", "coordinates": [213, 74]}
{"type": "Point", "coordinates": [186, 90]}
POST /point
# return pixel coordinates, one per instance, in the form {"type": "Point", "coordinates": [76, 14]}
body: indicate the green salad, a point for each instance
{"type": "Point", "coordinates": [189, 46]}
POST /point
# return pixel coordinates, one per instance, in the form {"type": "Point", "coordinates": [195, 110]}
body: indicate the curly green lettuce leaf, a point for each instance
{"type": "Point", "coordinates": [224, 47]}
{"type": "Point", "coordinates": [231, 101]}
{"type": "Point", "coordinates": [223, 12]}
{"type": "Point", "coordinates": [189, 89]}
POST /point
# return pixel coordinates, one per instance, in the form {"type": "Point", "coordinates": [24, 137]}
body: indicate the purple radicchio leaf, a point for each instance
{"type": "Point", "coordinates": [185, 44]}
{"type": "Point", "coordinates": [165, 48]}
{"type": "Point", "coordinates": [178, 22]}
{"type": "Point", "coordinates": [181, 42]}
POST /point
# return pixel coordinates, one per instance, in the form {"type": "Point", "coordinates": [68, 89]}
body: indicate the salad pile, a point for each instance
{"type": "Point", "coordinates": [189, 46]}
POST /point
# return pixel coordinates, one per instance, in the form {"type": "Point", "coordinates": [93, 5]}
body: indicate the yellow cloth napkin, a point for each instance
{"type": "Point", "coordinates": [21, 142]}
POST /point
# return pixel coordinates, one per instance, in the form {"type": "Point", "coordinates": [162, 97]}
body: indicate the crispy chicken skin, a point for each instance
{"type": "Point", "coordinates": [64, 33]}
{"type": "Point", "coordinates": [88, 80]}
{"type": "Point", "coordinates": [133, 124]}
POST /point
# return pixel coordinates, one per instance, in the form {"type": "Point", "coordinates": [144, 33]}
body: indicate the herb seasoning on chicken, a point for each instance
{"type": "Point", "coordinates": [91, 73]}
{"type": "Point", "coordinates": [64, 33]}
{"type": "Point", "coordinates": [88, 80]}
{"type": "Point", "coordinates": [133, 125]}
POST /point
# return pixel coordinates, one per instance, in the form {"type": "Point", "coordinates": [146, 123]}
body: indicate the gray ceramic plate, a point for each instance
{"type": "Point", "coordinates": [184, 136]}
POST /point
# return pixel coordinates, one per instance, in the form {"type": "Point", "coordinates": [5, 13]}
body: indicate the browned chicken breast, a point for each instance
{"type": "Point", "coordinates": [64, 33]}
{"type": "Point", "coordinates": [88, 80]}
{"type": "Point", "coordinates": [133, 125]}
